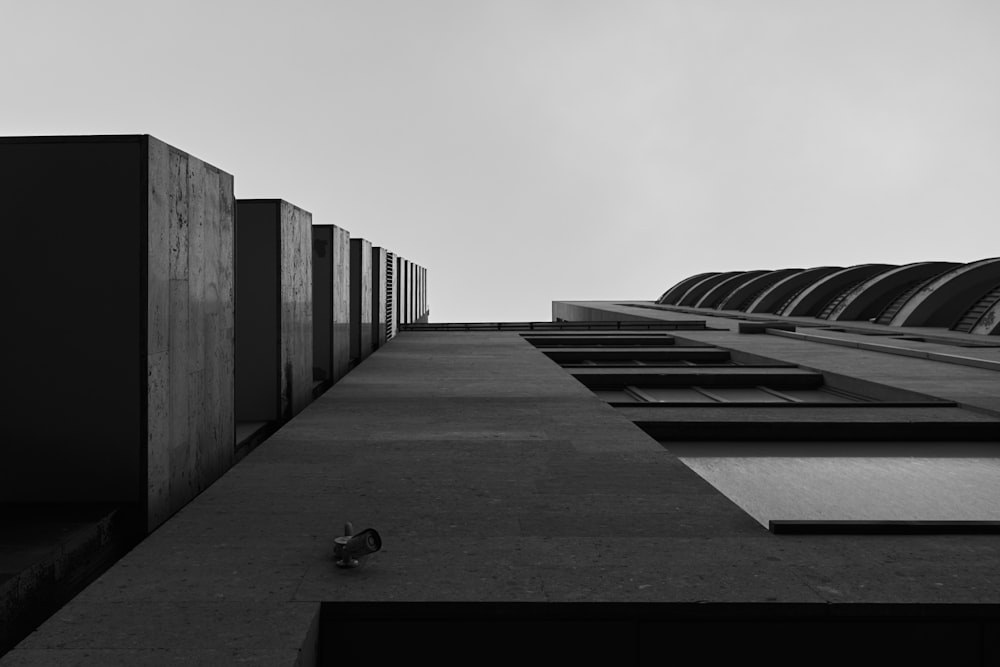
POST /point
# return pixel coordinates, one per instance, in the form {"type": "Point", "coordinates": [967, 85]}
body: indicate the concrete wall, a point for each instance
{"type": "Point", "coordinates": [258, 361]}
{"type": "Point", "coordinates": [341, 302]}
{"type": "Point", "coordinates": [322, 296]}
{"type": "Point", "coordinates": [379, 296]}
{"type": "Point", "coordinates": [361, 299]}
{"type": "Point", "coordinates": [74, 364]}
{"type": "Point", "coordinates": [190, 328]}
{"type": "Point", "coordinates": [121, 377]}
{"type": "Point", "coordinates": [296, 309]}
{"type": "Point", "coordinates": [274, 374]}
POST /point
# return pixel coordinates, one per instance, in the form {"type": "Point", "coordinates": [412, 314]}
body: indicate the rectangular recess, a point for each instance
{"type": "Point", "coordinates": [627, 633]}
{"type": "Point", "coordinates": [857, 486]}
{"type": "Point", "coordinates": [651, 354]}
{"type": "Point", "coordinates": [701, 377]}
{"type": "Point", "coordinates": [583, 340]}
{"type": "Point", "coordinates": [806, 527]}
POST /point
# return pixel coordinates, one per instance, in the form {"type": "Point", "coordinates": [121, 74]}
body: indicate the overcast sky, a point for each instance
{"type": "Point", "coordinates": [526, 151]}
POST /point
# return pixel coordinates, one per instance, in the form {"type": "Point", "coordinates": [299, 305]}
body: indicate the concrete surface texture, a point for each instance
{"type": "Point", "coordinates": [341, 302]}
{"type": "Point", "coordinates": [274, 372]}
{"type": "Point", "coordinates": [493, 476]}
{"type": "Point", "coordinates": [942, 481]}
{"type": "Point", "coordinates": [296, 309]}
{"type": "Point", "coordinates": [136, 302]}
{"type": "Point", "coordinates": [191, 327]}
{"type": "Point", "coordinates": [331, 302]}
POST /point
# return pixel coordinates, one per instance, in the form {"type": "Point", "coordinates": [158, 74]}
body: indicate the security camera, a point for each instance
{"type": "Point", "coordinates": [349, 549]}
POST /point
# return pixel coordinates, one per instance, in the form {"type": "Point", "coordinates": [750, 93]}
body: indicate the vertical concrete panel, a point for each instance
{"type": "Point", "coordinates": [158, 325]}
{"type": "Point", "coordinates": [196, 262]}
{"type": "Point", "coordinates": [158, 436]}
{"type": "Point", "coordinates": [296, 309]}
{"type": "Point", "coordinates": [150, 298]}
{"type": "Point", "coordinates": [180, 436]}
{"type": "Point", "coordinates": [188, 469]}
{"type": "Point", "coordinates": [158, 248]}
{"type": "Point", "coordinates": [191, 443]}
{"type": "Point", "coordinates": [322, 296]}
{"type": "Point", "coordinates": [341, 302]}
{"type": "Point", "coordinates": [177, 212]}
{"type": "Point", "coordinates": [361, 299]}
{"type": "Point", "coordinates": [225, 352]}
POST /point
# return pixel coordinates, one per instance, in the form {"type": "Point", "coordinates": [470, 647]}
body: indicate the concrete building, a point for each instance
{"type": "Point", "coordinates": [164, 331]}
{"type": "Point", "coordinates": [796, 466]}
{"type": "Point", "coordinates": [632, 482]}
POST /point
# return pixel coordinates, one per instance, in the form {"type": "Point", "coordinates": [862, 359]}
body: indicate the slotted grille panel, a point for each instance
{"type": "Point", "coordinates": [390, 292]}
{"type": "Point", "coordinates": [972, 315]}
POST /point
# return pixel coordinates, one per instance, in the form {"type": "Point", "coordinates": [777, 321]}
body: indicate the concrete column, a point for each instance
{"type": "Point", "coordinates": [121, 378]}
{"type": "Point", "coordinates": [361, 300]}
{"type": "Point", "coordinates": [379, 296]}
{"type": "Point", "coordinates": [274, 328]}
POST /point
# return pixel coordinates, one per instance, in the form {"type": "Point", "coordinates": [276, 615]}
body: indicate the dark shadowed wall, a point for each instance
{"type": "Point", "coordinates": [74, 268]}
{"type": "Point", "coordinates": [257, 311]}
{"type": "Point", "coordinates": [322, 295]}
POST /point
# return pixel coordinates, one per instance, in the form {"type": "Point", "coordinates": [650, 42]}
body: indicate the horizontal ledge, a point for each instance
{"type": "Point", "coordinates": [880, 527]}
{"type": "Point", "coordinates": [784, 406]}
{"type": "Point", "coordinates": [700, 610]}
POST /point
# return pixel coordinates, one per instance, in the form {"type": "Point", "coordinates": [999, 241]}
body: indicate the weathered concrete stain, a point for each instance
{"type": "Point", "coordinates": [296, 309]}
{"type": "Point", "coordinates": [190, 328]}
{"type": "Point", "coordinates": [341, 302]}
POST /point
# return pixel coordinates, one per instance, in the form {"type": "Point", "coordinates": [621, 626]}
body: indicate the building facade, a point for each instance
{"type": "Point", "coordinates": [760, 466]}
{"type": "Point", "coordinates": [164, 330]}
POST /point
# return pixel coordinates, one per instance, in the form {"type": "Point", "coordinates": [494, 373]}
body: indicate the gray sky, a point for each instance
{"type": "Point", "coordinates": [525, 151]}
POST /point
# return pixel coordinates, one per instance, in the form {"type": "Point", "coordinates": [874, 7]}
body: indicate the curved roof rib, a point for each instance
{"type": "Point", "coordinates": [812, 299]}
{"type": "Point", "coordinates": [943, 301]}
{"type": "Point", "coordinates": [775, 296]}
{"type": "Point", "coordinates": [744, 295]}
{"type": "Point", "coordinates": [699, 289]}
{"type": "Point", "coordinates": [719, 293]}
{"type": "Point", "coordinates": [868, 299]}
{"type": "Point", "coordinates": [677, 291]}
